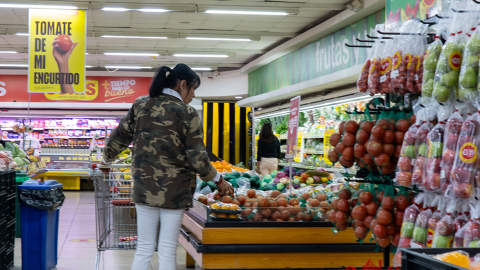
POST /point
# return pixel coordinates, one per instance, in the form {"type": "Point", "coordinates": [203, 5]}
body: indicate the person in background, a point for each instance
{"type": "Point", "coordinates": [168, 152]}
{"type": "Point", "coordinates": [268, 152]}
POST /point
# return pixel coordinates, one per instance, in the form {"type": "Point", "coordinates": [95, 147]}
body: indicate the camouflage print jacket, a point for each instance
{"type": "Point", "coordinates": [168, 151]}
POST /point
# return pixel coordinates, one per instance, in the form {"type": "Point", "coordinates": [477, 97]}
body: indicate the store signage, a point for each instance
{"type": "Point", "coordinates": [320, 58]}
{"type": "Point", "coordinates": [327, 146]}
{"type": "Point", "coordinates": [398, 11]}
{"type": "Point", "coordinates": [56, 51]}
{"type": "Point", "coordinates": [293, 127]}
{"type": "Point", "coordinates": [97, 90]}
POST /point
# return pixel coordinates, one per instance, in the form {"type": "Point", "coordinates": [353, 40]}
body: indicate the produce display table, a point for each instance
{"type": "Point", "coordinates": [271, 245]}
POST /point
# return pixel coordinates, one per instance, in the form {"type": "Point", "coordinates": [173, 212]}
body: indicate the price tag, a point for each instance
{"type": "Point", "coordinates": [69, 158]}
{"type": "Point", "coordinates": [45, 159]}
{"type": "Point", "coordinates": [74, 158]}
{"type": "Point", "coordinates": [393, 74]}
{"type": "Point", "coordinates": [61, 158]}
{"type": "Point", "coordinates": [383, 78]}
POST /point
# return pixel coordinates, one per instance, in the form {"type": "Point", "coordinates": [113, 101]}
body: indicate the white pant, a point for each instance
{"type": "Point", "coordinates": [147, 222]}
{"type": "Point", "coordinates": [268, 165]}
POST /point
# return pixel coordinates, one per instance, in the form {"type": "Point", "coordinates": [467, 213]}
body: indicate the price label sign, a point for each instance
{"type": "Point", "coordinates": [45, 159]}
{"type": "Point", "coordinates": [69, 158]}
{"type": "Point", "coordinates": [61, 158]}
{"type": "Point", "coordinates": [293, 127]}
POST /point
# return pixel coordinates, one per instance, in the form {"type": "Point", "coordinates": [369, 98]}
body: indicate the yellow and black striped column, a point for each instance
{"type": "Point", "coordinates": [225, 131]}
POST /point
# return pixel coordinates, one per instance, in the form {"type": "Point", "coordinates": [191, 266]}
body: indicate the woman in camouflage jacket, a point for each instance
{"type": "Point", "coordinates": [168, 153]}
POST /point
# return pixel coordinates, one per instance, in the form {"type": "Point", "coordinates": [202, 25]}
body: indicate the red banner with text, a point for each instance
{"type": "Point", "coordinates": [13, 88]}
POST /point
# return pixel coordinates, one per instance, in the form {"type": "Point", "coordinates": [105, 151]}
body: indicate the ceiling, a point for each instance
{"type": "Point", "coordinates": [186, 19]}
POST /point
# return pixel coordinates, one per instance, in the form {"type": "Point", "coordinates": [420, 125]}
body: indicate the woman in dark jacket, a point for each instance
{"type": "Point", "coordinates": [268, 152]}
{"type": "Point", "coordinates": [168, 153]}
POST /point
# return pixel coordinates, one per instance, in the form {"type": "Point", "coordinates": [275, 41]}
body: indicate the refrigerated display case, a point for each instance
{"type": "Point", "coordinates": [68, 170]}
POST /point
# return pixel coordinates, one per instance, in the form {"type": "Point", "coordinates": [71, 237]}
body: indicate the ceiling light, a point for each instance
{"type": "Point", "coordinates": [108, 36]}
{"type": "Point", "coordinates": [35, 6]}
{"type": "Point", "coordinates": [238, 97]}
{"type": "Point", "coordinates": [126, 67]}
{"type": "Point", "coordinates": [21, 34]}
{"type": "Point", "coordinates": [221, 39]}
{"type": "Point", "coordinates": [153, 10]}
{"type": "Point", "coordinates": [201, 55]}
{"type": "Point", "coordinates": [8, 52]}
{"type": "Point", "coordinates": [201, 68]}
{"type": "Point", "coordinates": [115, 9]}
{"type": "Point", "coordinates": [133, 54]}
{"type": "Point", "coordinates": [237, 12]}
{"type": "Point", "coordinates": [13, 65]}
{"type": "Point", "coordinates": [88, 66]}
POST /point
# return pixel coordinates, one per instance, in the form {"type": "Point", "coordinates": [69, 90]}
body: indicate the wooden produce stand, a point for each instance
{"type": "Point", "coordinates": [272, 245]}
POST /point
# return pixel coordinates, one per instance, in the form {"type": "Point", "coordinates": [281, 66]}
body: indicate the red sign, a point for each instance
{"type": "Point", "coordinates": [13, 88]}
{"type": "Point", "coordinates": [293, 127]}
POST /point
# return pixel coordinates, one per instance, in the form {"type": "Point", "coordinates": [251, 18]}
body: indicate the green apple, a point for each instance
{"type": "Point", "coordinates": [420, 235]}
{"type": "Point", "coordinates": [449, 48]}
{"type": "Point", "coordinates": [437, 49]}
{"type": "Point", "coordinates": [475, 243]}
{"type": "Point", "coordinates": [428, 75]}
{"type": "Point", "coordinates": [427, 88]}
{"type": "Point", "coordinates": [466, 93]}
{"type": "Point", "coordinates": [440, 241]}
{"type": "Point", "coordinates": [461, 45]}
{"type": "Point", "coordinates": [473, 44]}
{"type": "Point", "coordinates": [430, 62]}
{"type": "Point", "coordinates": [472, 61]}
{"type": "Point", "coordinates": [442, 66]}
{"type": "Point", "coordinates": [407, 229]}
{"type": "Point", "coordinates": [450, 79]}
{"type": "Point", "coordinates": [436, 149]}
{"type": "Point", "coordinates": [422, 150]}
{"type": "Point", "coordinates": [303, 185]}
{"type": "Point", "coordinates": [310, 181]}
{"type": "Point", "coordinates": [441, 93]}
{"type": "Point", "coordinates": [469, 78]}
{"type": "Point", "coordinates": [280, 186]}
{"type": "Point", "coordinates": [410, 151]}
{"type": "Point", "coordinates": [296, 180]}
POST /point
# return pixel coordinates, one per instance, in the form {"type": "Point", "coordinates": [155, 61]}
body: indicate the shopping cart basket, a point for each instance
{"type": "Point", "coordinates": [115, 211]}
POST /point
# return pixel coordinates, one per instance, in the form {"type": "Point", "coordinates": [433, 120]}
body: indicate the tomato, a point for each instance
{"type": "Point", "coordinates": [64, 43]}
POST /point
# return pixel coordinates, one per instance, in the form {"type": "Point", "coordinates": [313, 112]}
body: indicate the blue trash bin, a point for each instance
{"type": "Point", "coordinates": [39, 227]}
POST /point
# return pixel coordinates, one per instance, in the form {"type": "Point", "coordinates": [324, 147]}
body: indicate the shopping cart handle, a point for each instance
{"type": "Point", "coordinates": [95, 166]}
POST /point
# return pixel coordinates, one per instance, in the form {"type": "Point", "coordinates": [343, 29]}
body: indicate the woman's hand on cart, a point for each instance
{"type": "Point", "coordinates": [224, 187]}
{"type": "Point", "coordinates": [100, 165]}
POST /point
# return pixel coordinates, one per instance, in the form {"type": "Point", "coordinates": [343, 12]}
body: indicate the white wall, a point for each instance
{"type": "Point", "coordinates": [223, 87]}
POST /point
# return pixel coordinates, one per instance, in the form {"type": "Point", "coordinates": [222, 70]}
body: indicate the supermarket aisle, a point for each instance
{"type": "Point", "coordinates": [77, 246]}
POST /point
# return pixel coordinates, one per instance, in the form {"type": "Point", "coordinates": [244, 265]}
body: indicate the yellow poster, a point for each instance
{"type": "Point", "coordinates": [327, 146]}
{"type": "Point", "coordinates": [56, 51]}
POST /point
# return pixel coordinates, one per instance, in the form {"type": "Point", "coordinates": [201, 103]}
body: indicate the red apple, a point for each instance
{"type": "Point", "coordinates": [454, 125]}
{"type": "Point", "coordinates": [433, 165]}
{"type": "Point", "coordinates": [404, 242]}
{"type": "Point", "coordinates": [469, 127]}
{"type": "Point", "coordinates": [420, 162]}
{"type": "Point", "coordinates": [422, 135]}
{"type": "Point", "coordinates": [409, 138]}
{"type": "Point", "coordinates": [460, 174]}
{"type": "Point", "coordinates": [463, 190]}
{"type": "Point", "coordinates": [432, 181]}
{"type": "Point", "coordinates": [417, 176]}
{"type": "Point", "coordinates": [448, 157]}
{"type": "Point", "coordinates": [452, 141]}
{"type": "Point", "coordinates": [405, 164]}
{"type": "Point", "coordinates": [404, 179]}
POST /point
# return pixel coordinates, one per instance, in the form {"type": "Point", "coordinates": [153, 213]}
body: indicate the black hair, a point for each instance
{"type": "Point", "coordinates": [266, 134]}
{"type": "Point", "coordinates": [179, 73]}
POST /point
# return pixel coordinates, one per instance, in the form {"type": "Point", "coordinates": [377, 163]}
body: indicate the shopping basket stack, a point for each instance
{"type": "Point", "coordinates": [7, 219]}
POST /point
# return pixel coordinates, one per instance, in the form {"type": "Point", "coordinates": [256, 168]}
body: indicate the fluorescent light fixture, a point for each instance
{"type": "Point", "coordinates": [35, 6]}
{"type": "Point", "coordinates": [109, 36]}
{"type": "Point", "coordinates": [201, 68]}
{"type": "Point", "coordinates": [238, 97]}
{"type": "Point", "coordinates": [88, 66]}
{"type": "Point", "coordinates": [13, 65]}
{"type": "Point", "coordinates": [115, 9]}
{"type": "Point", "coordinates": [238, 12]}
{"type": "Point", "coordinates": [201, 55]}
{"type": "Point", "coordinates": [219, 39]}
{"type": "Point", "coordinates": [127, 67]}
{"type": "Point", "coordinates": [8, 52]}
{"type": "Point", "coordinates": [133, 54]}
{"type": "Point", "coordinates": [153, 10]}
{"type": "Point", "coordinates": [21, 34]}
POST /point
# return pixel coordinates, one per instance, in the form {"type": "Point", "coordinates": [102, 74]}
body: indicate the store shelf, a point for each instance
{"type": "Point", "coordinates": [70, 137]}
{"type": "Point", "coordinates": [57, 128]}
{"type": "Point", "coordinates": [308, 167]}
{"type": "Point", "coordinates": [312, 136]}
{"type": "Point", "coordinates": [11, 129]}
{"type": "Point", "coordinates": [313, 152]}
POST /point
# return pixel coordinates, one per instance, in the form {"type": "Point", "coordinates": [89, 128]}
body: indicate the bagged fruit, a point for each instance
{"type": "Point", "coordinates": [438, 207]}
{"type": "Point", "coordinates": [445, 83]}
{"type": "Point", "coordinates": [383, 226]}
{"type": "Point", "coordinates": [362, 136]}
{"type": "Point", "coordinates": [467, 87]}
{"type": "Point", "coordinates": [398, 66]}
{"type": "Point", "coordinates": [464, 168]}
{"type": "Point", "coordinates": [345, 147]}
{"type": "Point", "coordinates": [407, 227]}
{"type": "Point", "coordinates": [430, 64]}
{"type": "Point", "coordinates": [422, 52]}
{"type": "Point", "coordinates": [462, 217]}
{"type": "Point", "coordinates": [431, 173]}
{"type": "Point", "coordinates": [415, 45]}
{"type": "Point", "coordinates": [452, 132]}
{"type": "Point", "coordinates": [459, 237]}
{"type": "Point", "coordinates": [362, 82]}
{"type": "Point", "coordinates": [420, 231]}
{"type": "Point", "coordinates": [375, 66]}
{"type": "Point", "coordinates": [472, 228]}
{"type": "Point", "coordinates": [458, 258]}
{"type": "Point", "coordinates": [386, 67]}
{"type": "Point", "coordinates": [445, 230]}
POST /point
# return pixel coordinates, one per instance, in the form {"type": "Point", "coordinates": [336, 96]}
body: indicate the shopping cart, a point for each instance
{"type": "Point", "coordinates": [115, 211]}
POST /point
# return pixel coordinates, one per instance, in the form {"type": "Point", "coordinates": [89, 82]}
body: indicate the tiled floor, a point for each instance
{"type": "Point", "coordinates": [77, 221]}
